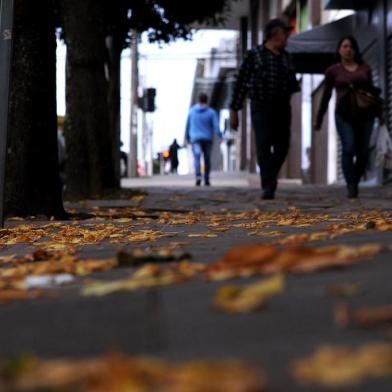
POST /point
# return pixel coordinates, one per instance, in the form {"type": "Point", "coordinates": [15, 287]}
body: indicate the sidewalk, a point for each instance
{"type": "Point", "coordinates": [178, 322]}
{"type": "Point", "coordinates": [218, 179]}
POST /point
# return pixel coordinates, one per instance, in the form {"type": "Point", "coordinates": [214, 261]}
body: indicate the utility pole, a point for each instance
{"type": "Point", "coordinates": [132, 159]}
{"type": "Point", "coordinates": [6, 38]}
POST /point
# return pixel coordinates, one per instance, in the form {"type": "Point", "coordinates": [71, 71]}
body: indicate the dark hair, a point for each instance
{"type": "Point", "coordinates": [273, 26]}
{"type": "Point", "coordinates": [354, 43]}
{"type": "Point", "coordinates": [203, 98]}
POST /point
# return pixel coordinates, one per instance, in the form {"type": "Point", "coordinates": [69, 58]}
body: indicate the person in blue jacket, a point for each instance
{"type": "Point", "coordinates": [201, 124]}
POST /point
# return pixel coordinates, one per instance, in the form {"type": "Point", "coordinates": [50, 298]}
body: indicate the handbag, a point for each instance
{"type": "Point", "coordinates": [360, 104]}
{"type": "Point", "coordinates": [365, 104]}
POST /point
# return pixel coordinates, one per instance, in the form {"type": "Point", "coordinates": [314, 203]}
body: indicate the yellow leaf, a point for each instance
{"type": "Point", "coordinates": [138, 199]}
{"type": "Point", "coordinates": [202, 235]}
{"type": "Point", "coordinates": [233, 299]}
{"type": "Point", "coordinates": [266, 233]}
{"type": "Point", "coordinates": [123, 220]}
{"type": "Point", "coordinates": [339, 367]}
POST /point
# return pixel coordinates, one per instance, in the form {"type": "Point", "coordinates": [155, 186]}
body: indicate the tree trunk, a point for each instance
{"type": "Point", "coordinates": [114, 48]}
{"type": "Point", "coordinates": [32, 170]}
{"type": "Point", "coordinates": [89, 168]}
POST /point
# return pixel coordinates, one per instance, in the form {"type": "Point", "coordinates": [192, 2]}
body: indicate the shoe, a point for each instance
{"type": "Point", "coordinates": [207, 183]}
{"type": "Point", "coordinates": [198, 182]}
{"type": "Point", "coordinates": [352, 191]}
{"type": "Point", "coordinates": [268, 194]}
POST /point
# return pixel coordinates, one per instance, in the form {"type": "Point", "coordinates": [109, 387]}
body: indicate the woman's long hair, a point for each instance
{"type": "Point", "coordinates": [354, 43]}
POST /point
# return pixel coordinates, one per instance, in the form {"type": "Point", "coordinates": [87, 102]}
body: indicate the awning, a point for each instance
{"type": "Point", "coordinates": [345, 4]}
{"type": "Point", "coordinates": [339, 4]}
{"type": "Point", "coordinates": [313, 51]}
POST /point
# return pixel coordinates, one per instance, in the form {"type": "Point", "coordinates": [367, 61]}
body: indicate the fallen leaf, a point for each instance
{"type": "Point", "coordinates": [219, 229]}
{"type": "Point", "coordinates": [365, 317]}
{"type": "Point", "coordinates": [338, 367]}
{"type": "Point", "coordinates": [343, 290]}
{"type": "Point", "coordinates": [235, 299]}
{"type": "Point", "coordinates": [148, 276]}
{"type": "Point", "coordinates": [10, 295]}
{"type": "Point", "coordinates": [202, 235]}
{"type": "Point", "coordinates": [266, 233]}
{"type": "Point", "coordinates": [247, 260]}
{"type": "Point", "coordinates": [139, 256]}
{"type": "Point", "coordinates": [138, 199]}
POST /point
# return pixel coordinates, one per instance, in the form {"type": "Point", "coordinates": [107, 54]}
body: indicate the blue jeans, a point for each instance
{"type": "Point", "coordinates": [272, 135]}
{"type": "Point", "coordinates": [355, 138]}
{"type": "Point", "coordinates": [199, 148]}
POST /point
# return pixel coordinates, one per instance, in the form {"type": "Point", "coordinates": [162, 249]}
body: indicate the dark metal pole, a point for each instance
{"type": "Point", "coordinates": [6, 38]}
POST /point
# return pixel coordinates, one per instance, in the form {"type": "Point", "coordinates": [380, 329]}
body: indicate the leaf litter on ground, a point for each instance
{"type": "Point", "coordinates": [121, 372]}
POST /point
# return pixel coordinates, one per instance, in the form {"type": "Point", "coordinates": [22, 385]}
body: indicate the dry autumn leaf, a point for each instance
{"type": "Point", "coordinates": [219, 229]}
{"type": "Point", "coordinates": [247, 260]}
{"type": "Point", "coordinates": [235, 299]}
{"type": "Point", "coordinates": [148, 276]}
{"type": "Point", "coordinates": [10, 295]}
{"type": "Point", "coordinates": [202, 235]}
{"type": "Point", "coordinates": [338, 367]}
{"type": "Point", "coordinates": [138, 256]}
{"type": "Point", "coordinates": [44, 265]}
{"type": "Point", "coordinates": [266, 233]}
{"type": "Point", "coordinates": [365, 317]}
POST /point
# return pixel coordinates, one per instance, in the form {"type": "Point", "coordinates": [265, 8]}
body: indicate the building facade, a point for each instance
{"type": "Point", "coordinates": [319, 24]}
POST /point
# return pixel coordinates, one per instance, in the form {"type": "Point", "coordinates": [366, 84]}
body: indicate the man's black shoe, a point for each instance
{"type": "Point", "coordinates": [207, 183]}
{"type": "Point", "coordinates": [352, 191]}
{"type": "Point", "coordinates": [198, 182]}
{"type": "Point", "coordinates": [268, 194]}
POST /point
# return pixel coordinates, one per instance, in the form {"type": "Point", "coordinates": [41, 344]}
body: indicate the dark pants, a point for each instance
{"type": "Point", "coordinates": [173, 165]}
{"type": "Point", "coordinates": [355, 137]}
{"type": "Point", "coordinates": [272, 133]}
{"type": "Point", "coordinates": [199, 148]}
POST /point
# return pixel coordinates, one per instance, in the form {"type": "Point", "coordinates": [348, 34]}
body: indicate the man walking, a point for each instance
{"type": "Point", "coordinates": [201, 124]}
{"type": "Point", "coordinates": [267, 77]}
{"type": "Point", "coordinates": [173, 156]}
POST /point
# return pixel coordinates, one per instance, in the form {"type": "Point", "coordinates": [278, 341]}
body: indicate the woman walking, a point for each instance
{"type": "Point", "coordinates": [354, 129]}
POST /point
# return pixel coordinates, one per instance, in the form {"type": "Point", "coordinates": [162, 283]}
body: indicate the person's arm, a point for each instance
{"type": "Point", "coordinates": [329, 82]}
{"type": "Point", "coordinates": [240, 89]}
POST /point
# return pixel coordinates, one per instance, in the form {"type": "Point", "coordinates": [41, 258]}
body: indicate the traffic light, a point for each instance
{"type": "Point", "coordinates": [149, 99]}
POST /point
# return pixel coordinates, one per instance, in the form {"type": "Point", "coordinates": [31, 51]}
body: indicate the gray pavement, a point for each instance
{"type": "Point", "coordinates": [177, 322]}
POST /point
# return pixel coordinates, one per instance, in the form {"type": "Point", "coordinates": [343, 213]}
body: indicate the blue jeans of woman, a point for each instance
{"type": "Point", "coordinates": [355, 138]}
{"type": "Point", "coordinates": [199, 148]}
{"type": "Point", "coordinates": [271, 125]}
